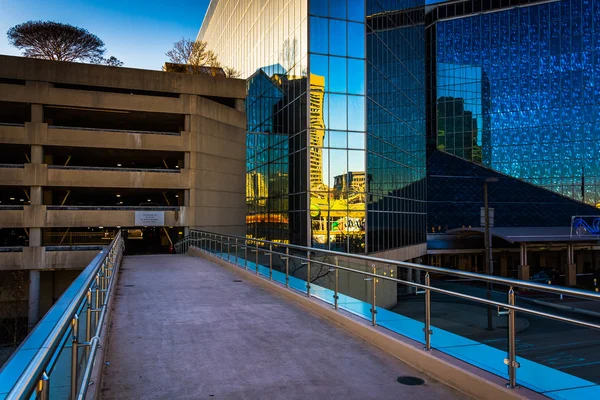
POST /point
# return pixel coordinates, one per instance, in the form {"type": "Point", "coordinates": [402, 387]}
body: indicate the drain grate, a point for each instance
{"type": "Point", "coordinates": [237, 280]}
{"type": "Point", "coordinates": [128, 285]}
{"type": "Point", "coordinates": [410, 380]}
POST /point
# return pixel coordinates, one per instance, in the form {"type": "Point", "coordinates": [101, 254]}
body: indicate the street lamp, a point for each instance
{"type": "Point", "coordinates": [489, 265]}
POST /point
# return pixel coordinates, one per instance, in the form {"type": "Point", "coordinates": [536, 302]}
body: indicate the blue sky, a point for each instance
{"type": "Point", "coordinates": [139, 33]}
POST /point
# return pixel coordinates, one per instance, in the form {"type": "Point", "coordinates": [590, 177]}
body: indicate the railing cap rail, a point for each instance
{"type": "Point", "coordinates": [21, 372]}
{"type": "Point", "coordinates": [516, 283]}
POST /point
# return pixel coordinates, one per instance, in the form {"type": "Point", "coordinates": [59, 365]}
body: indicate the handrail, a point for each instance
{"type": "Point", "coordinates": [60, 317]}
{"type": "Point", "coordinates": [209, 242]}
{"type": "Point", "coordinates": [518, 283]}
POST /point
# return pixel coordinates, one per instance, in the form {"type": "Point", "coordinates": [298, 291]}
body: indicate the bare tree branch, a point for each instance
{"type": "Point", "coordinates": [196, 57]}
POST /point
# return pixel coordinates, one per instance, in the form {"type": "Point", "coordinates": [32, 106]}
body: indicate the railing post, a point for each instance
{"type": "Point", "coordinates": [44, 388]}
{"type": "Point", "coordinates": [270, 262]}
{"type": "Point", "coordinates": [256, 257]}
{"type": "Point", "coordinates": [427, 328]}
{"type": "Point", "coordinates": [511, 361]}
{"type": "Point", "coordinates": [97, 301]}
{"type": "Point", "coordinates": [246, 254]}
{"type": "Point", "coordinates": [88, 322]}
{"type": "Point", "coordinates": [228, 247]}
{"type": "Point", "coordinates": [221, 246]}
{"type": "Point", "coordinates": [374, 300]}
{"type": "Point", "coordinates": [336, 295]}
{"type": "Point", "coordinates": [236, 251]}
{"type": "Point", "coordinates": [74, 353]}
{"type": "Point", "coordinates": [308, 274]}
{"type": "Point", "coordinates": [287, 267]}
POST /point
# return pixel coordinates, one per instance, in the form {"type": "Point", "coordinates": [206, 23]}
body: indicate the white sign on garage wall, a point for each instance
{"type": "Point", "coordinates": [149, 218]}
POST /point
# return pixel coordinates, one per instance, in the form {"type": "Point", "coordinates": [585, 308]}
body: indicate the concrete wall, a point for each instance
{"type": "Point", "coordinates": [213, 141]}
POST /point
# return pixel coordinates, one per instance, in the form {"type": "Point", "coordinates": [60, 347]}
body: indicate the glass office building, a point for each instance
{"type": "Point", "coordinates": [396, 107]}
{"type": "Point", "coordinates": [336, 118]}
{"type": "Point", "coordinates": [518, 90]}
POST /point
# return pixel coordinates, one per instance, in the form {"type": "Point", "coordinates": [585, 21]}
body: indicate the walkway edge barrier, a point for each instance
{"type": "Point", "coordinates": [454, 373]}
{"type": "Point", "coordinates": [104, 342]}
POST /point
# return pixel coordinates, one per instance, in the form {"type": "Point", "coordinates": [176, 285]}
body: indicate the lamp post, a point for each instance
{"type": "Point", "coordinates": [489, 264]}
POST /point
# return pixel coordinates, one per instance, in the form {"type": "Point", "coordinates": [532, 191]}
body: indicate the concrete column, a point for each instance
{"type": "Point", "coordinates": [34, 298]}
{"type": "Point", "coordinates": [239, 105]}
{"type": "Point", "coordinates": [35, 195]}
{"type": "Point", "coordinates": [37, 113]}
{"type": "Point", "coordinates": [37, 154]}
{"type": "Point", "coordinates": [524, 272]}
{"type": "Point", "coordinates": [503, 264]}
{"type": "Point", "coordinates": [35, 237]}
{"type": "Point", "coordinates": [524, 267]}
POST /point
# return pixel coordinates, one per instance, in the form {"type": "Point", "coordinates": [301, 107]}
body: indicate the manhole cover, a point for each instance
{"type": "Point", "coordinates": [410, 380]}
{"type": "Point", "coordinates": [237, 280]}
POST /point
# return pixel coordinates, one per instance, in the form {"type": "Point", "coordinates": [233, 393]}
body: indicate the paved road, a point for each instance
{"type": "Point", "coordinates": [569, 348]}
{"type": "Point", "coordinates": [184, 328]}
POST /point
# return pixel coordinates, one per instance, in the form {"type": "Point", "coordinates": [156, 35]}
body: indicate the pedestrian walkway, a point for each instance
{"type": "Point", "coordinates": [185, 328]}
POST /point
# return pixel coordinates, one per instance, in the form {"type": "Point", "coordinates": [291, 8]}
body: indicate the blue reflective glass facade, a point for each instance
{"type": "Point", "coordinates": [396, 157]}
{"type": "Point", "coordinates": [518, 90]}
{"type": "Point", "coordinates": [336, 118]}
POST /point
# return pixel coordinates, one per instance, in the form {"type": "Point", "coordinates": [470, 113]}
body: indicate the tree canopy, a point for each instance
{"type": "Point", "coordinates": [191, 56]}
{"type": "Point", "coordinates": [60, 42]}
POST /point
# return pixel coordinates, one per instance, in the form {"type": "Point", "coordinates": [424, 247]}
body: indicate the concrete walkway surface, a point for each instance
{"type": "Point", "coordinates": [184, 328]}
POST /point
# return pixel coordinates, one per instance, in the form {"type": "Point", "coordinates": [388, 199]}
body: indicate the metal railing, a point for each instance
{"type": "Point", "coordinates": [245, 252]}
{"type": "Point", "coordinates": [56, 359]}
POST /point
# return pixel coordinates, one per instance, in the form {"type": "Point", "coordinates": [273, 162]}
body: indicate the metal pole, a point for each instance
{"type": "Point", "coordinates": [88, 322]}
{"type": "Point", "coordinates": [270, 262]}
{"type": "Point", "coordinates": [488, 253]}
{"type": "Point", "coordinates": [512, 343]}
{"type": "Point", "coordinates": [221, 240]}
{"type": "Point", "coordinates": [337, 285]}
{"type": "Point", "coordinates": [74, 352]}
{"type": "Point", "coordinates": [374, 300]}
{"type": "Point", "coordinates": [97, 301]}
{"type": "Point", "coordinates": [308, 275]}
{"type": "Point", "coordinates": [246, 254]}
{"type": "Point", "coordinates": [287, 267]}
{"type": "Point", "coordinates": [236, 252]}
{"type": "Point", "coordinates": [44, 387]}
{"type": "Point", "coordinates": [228, 248]}
{"type": "Point", "coordinates": [256, 258]}
{"type": "Point", "coordinates": [427, 313]}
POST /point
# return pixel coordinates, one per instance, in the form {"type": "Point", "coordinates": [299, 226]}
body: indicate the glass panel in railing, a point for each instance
{"type": "Point", "coordinates": [355, 288]}
{"type": "Point", "coordinates": [298, 269]}
{"type": "Point", "coordinates": [279, 263]}
{"type": "Point", "coordinates": [469, 330]}
{"type": "Point", "coordinates": [555, 356]}
{"type": "Point", "coordinates": [60, 373]}
{"type": "Point", "coordinates": [322, 277]}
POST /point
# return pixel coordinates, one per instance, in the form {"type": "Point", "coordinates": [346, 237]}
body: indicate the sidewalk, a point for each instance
{"type": "Point", "coordinates": [184, 328]}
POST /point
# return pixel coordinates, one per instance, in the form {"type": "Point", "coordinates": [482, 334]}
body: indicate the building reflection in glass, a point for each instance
{"type": "Point", "coordinates": [396, 159]}
{"type": "Point", "coordinates": [309, 179]}
{"type": "Point", "coordinates": [535, 67]}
